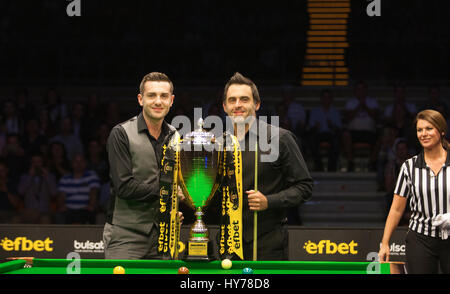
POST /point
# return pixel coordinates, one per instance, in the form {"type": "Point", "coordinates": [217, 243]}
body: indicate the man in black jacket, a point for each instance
{"type": "Point", "coordinates": [283, 178]}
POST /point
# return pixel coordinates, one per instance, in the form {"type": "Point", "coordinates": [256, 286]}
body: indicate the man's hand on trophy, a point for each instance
{"type": "Point", "coordinates": [180, 194]}
{"type": "Point", "coordinates": [256, 200]}
{"type": "Point", "coordinates": [180, 216]}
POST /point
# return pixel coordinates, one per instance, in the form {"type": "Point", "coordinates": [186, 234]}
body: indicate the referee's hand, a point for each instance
{"type": "Point", "coordinates": [384, 252]}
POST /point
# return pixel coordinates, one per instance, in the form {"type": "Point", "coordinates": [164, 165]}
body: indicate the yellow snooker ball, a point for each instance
{"type": "Point", "coordinates": [226, 264]}
{"type": "Point", "coordinates": [118, 270]}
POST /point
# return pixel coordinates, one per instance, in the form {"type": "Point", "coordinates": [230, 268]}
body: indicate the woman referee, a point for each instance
{"type": "Point", "coordinates": [424, 179]}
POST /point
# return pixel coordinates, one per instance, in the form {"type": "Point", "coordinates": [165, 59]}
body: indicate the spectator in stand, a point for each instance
{"type": "Point", "coordinates": [295, 112]}
{"type": "Point", "coordinates": [400, 102]}
{"type": "Point", "coordinates": [46, 128]}
{"type": "Point", "coordinates": [13, 123]}
{"type": "Point", "coordinates": [38, 189]}
{"type": "Point", "coordinates": [93, 114]}
{"type": "Point", "coordinates": [80, 125]}
{"type": "Point", "coordinates": [97, 160]}
{"type": "Point", "coordinates": [361, 117]}
{"type": "Point", "coordinates": [71, 142]}
{"type": "Point", "coordinates": [436, 102]}
{"type": "Point", "coordinates": [385, 150]}
{"type": "Point", "coordinates": [33, 141]}
{"type": "Point", "coordinates": [14, 156]}
{"type": "Point", "coordinates": [392, 169]}
{"type": "Point", "coordinates": [93, 107]}
{"type": "Point", "coordinates": [103, 201]}
{"type": "Point", "coordinates": [9, 201]}
{"type": "Point", "coordinates": [112, 114]}
{"type": "Point", "coordinates": [56, 108]}
{"type": "Point", "coordinates": [78, 193]}
{"type": "Point", "coordinates": [325, 126]}
{"type": "Point", "coordinates": [58, 163]}
{"type": "Point", "coordinates": [401, 114]}
{"type": "Point", "coordinates": [23, 107]}
{"type": "Point", "coordinates": [284, 122]}
{"type": "Point", "coordinates": [2, 137]}
{"type": "Point", "coordinates": [102, 134]}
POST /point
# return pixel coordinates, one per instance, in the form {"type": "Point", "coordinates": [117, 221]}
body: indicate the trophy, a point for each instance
{"type": "Point", "coordinates": [199, 180]}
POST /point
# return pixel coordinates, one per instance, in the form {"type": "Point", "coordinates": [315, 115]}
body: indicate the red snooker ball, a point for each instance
{"type": "Point", "coordinates": [183, 270]}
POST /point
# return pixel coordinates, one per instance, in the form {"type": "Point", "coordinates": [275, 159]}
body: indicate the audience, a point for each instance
{"type": "Point", "coordinates": [13, 122]}
{"type": "Point", "coordinates": [60, 174]}
{"type": "Point", "coordinates": [14, 156]}
{"type": "Point", "coordinates": [360, 117]}
{"type": "Point", "coordinates": [295, 114]}
{"type": "Point", "coordinates": [58, 162]}
{"type": "Point", "coordinates": [97, 160]}
{"type": "Point", "coordinates": [57, 110]}
{"type": "Point", "coordinates": [33, 141]}
{"type": "Point", "coordinates": [37, 188]}
{"type": "Point", "coordinates": [71, 141]}
{"type": "Point", "coordinates": [385, 149]}
{"type": "Point", "coordinates": [80, 126]}
{"type": "Point", "coordinates": [325, 126]}
{"type": "Point", "coordinates": [400, 105]}
{"type": "Point", "coordinates": [78, 193]}
{"type": "Point", "coordinates": [9, 201]}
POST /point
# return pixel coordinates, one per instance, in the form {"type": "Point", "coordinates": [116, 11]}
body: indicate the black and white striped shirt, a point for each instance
{"type": "Point", "coordinates": [429, 194]}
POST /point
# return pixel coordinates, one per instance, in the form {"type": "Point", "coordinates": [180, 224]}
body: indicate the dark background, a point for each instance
{"type": "Point", "coordinates": [203, 42]}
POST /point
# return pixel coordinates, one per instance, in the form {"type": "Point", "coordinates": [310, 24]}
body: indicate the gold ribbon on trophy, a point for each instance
{"type": "Point", "coordinates": [230, 244]}
{"type": "Point", "coordinates": [169, 222]}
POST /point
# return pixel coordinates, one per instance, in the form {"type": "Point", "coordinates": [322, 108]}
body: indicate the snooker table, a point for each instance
{"type": "Point", "coordinates": [103, 266]}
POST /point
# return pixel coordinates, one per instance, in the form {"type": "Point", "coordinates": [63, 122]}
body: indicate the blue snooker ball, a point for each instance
{"type": "Point", "coordinates": [247, 270]}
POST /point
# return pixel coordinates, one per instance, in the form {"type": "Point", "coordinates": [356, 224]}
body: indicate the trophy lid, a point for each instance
{"type": "Point", "coordinates": [199, 136]}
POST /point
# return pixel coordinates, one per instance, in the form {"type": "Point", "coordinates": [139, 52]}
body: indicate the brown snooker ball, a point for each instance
{"type": "Point", "coordinates": [183, 270]}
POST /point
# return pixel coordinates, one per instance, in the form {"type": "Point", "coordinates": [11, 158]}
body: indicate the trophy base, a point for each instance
{"type": "Point", "coordinates": [198, 251]}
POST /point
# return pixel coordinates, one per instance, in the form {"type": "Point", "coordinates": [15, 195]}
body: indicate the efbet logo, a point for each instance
{"type": "Point", "coordinates": [24, 244]}
{"type": "Point", "coordinates": [328, 247]}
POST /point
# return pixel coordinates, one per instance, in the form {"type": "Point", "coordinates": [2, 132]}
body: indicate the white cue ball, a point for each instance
{"type": "Point", "coordinates": [226, 264]}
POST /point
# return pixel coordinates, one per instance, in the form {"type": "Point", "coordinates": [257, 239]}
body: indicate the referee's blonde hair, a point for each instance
{"type": "Point", "coordinates": [437, 120]}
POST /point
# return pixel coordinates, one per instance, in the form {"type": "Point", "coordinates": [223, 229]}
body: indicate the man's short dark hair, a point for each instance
{"type": "Point", "coordinates": [155, 77]}
{"type": "Point", "coordinates": [239, 79]}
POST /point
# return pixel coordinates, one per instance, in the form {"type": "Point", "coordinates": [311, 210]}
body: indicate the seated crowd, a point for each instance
{"type": "Point", "coordinates": [54, 167]}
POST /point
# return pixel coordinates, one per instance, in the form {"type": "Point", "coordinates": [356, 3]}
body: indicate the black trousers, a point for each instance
{"type": "Point", "coordinates": [425, 255]}
{"type": "Point", "coordinates": [272, 245]}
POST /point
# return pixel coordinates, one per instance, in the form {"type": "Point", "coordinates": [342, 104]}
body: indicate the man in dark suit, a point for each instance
{"type": "Point", "coordinates": [283, 178]}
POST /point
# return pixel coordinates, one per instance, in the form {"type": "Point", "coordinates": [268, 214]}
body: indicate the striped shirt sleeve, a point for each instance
{"type": "Point", "coordinates": [402, 187]}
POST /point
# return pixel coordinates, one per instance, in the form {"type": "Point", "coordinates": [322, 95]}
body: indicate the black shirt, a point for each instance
{"type": "Point", "coordinates": [285, 182]}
